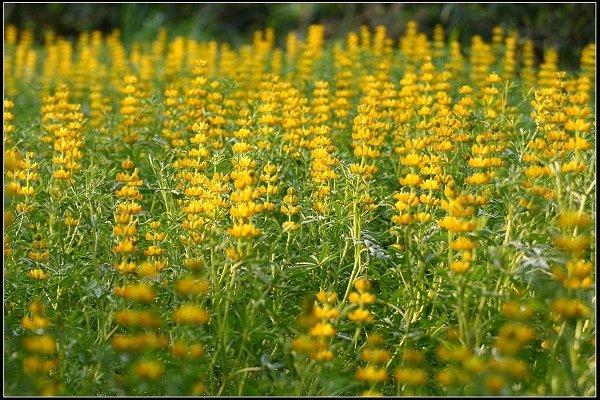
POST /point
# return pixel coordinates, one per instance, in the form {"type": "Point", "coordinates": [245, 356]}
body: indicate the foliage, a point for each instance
{"type": "Point", "coordinates": [322, 217]}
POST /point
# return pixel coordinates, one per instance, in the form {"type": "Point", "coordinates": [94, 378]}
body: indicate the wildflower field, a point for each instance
{"type": "Point", "coordinates": [357, 215]}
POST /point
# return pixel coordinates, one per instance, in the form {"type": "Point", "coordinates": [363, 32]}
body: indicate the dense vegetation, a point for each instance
{"type": "Point", "coordinates": [351, 216]}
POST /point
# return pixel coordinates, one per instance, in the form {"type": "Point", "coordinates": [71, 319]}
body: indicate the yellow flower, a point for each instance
{"type": "Point", "coordinates": [290, 226]}
{"type": "Point", "coordinates": [154, 251]}
{"type": "Point", "coordinates": [376, 356]}
{"type": "Point", "coordinates": [362, 284]}
{"type": "Point", "coordinates": [375, 339]}
{"type": "Point", "coordinates": [494, 383]}
{"type": "Point", "coordinates": [34, 365]}
{"type": "Point", "coordinates": [194, 264]}
{"type": "Point", "coordinates": [304, 344]}
{"type": "Point", "coordinates": [360, 315]}
{"type": "Point", "coordinates": [199, 389]}
{"type": "Point", "coordinates": [510, 366]}
{"type": "Point", "coordinates": [423, 217]}
{"type": "Point", "coordinates": [413, 357]}
{"type": "Point", "coordinates": [574, 244]}
{"type": "Point", "coordinates": [148, 269]}
{"type": "Point", "coordinates": [361, 298]}
{"type": "Point", "coordinates": [322, 329]}
{"type": "Point", "coordinates": [463, 243]}
{"type": "Point", "coordinates": [36, 307]}
{"type": "Point", "coordinates": [136, 292]}
{"type": "Point", "coordinates": [430, 184]}
{"type": "Point", "coordinates": [124, 246]}
{"type": "Point", "coordinates": [479, 178]}
{"type": "Point", "coordinates": [191, 314]}
{"type": "Point", "coordinates": [460, 267]}
{"type": "Point", "coordinates": [181, 350]}
{"type": "Point", "coordinates": [189, 285]}
{"type": "Point", "coordinates": [455, 207]}
{"type": "Point", "coordinates": [125, 267]}
{"type": "Point", "coordinates": [35, 323]}
{"type": "Point", "coordinates": [324, 297]}
{"type": "Point", "coordinates": [40, 344]}
{"type": "Point", "coordinates": [513, 336]}
{"type": "Point", "coordinates": [569, 308]}
{"type": "Point", "coordinates": [322, 355]}
{"type": "Point", "coordinates": [371, 374]}
{"type": "Point", "coordinates": [411, 159]}
{"type": "Point", "coordinates": [572, 219]}
{"type": "Point", "coordinates": [37, 274]}
{"type": "Point", "coordinates": [453, 224]}
{"type": "Point", "coordinates": [516, 311]}
{"type": "Point", "coordinates": [149, 369]}
{"type": "Point", "coordinates": [578, 124]}
{"type": "Point", "coordinates": [138, 318]}
{"type": "Point", "coordinates": [402, 219]}
{"type": "Point", "coordinates": [244, 230]}
{"type": "Point", "coordinates": [410, 376]}
{"type": "Point", "coordinates": [411, 180]}
{"type": "Point", "coordinates": [140, 342]}
{"type": "Point", "coordinates": [325, 312]}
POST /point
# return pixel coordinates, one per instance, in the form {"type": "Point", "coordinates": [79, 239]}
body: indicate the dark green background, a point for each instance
{"type": "Point", "coordinates": [566, 27]}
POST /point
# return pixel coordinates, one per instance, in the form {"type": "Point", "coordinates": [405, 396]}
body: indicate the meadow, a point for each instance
{"type": "Point", "coordinates": [358, 215]}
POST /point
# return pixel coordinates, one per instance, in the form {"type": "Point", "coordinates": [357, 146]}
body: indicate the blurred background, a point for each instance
{"type": "Point", "coordinates": [567, 27]}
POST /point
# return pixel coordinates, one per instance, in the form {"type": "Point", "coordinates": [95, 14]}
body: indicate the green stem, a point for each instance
{"type": "Point", "coordinates": [356, 229]}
